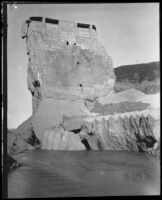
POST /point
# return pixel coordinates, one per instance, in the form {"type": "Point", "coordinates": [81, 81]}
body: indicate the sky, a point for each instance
{"type": "Point", "coordinates": [128, 31]}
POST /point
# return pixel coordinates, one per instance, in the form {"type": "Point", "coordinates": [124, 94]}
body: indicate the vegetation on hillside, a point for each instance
{"type": "Point", "coordinates": [144, 77]}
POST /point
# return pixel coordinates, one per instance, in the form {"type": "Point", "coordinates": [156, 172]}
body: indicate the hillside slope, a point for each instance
{"type": "Point", "coordinates": [144, 77]}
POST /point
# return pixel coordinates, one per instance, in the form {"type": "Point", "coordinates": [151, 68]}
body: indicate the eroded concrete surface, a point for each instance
{"type": "Point", "coordinates": [66, 63]}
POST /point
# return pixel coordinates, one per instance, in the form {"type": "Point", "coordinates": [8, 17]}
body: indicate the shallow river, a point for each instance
{"type": "Point", "coordinates": [84, 173]}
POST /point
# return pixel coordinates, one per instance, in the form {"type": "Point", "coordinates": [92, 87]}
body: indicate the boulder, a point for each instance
{"type": "Point", "coordinates": [59, 139]}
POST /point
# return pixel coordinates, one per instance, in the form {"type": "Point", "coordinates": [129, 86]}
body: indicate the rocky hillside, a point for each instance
{"type": "Point", "coordinates": [144, 77]}
{"type": "Point", "coordinates": [22, 139]}
{"type": "Point", "coordinates": [11, 163]}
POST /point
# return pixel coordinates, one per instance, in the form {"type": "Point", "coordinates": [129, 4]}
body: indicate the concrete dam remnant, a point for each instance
{"type": "Point", "coordinates": [67, 66]}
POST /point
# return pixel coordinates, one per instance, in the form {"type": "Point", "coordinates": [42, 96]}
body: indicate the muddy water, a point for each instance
{"type": "Point", "coordinates": [84, 173]}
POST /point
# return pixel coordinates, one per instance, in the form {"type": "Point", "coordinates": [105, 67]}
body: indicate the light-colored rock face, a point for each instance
{"type": "Point", "coordinates": [125, 134]}
{"type": "Point", "coordinates": [58, 139]}
{"type": "Point", "coordinates": [66, 61]}
{"type": "Point", "coordinates": [51, 114]}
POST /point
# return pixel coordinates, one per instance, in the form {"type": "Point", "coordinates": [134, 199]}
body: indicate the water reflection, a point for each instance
{"type": "Point", "coordinates": [86, 173]}
{"type": "Point", "coordinates": [138, 176]}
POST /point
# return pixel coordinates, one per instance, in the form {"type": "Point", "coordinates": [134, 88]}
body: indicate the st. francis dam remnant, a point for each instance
{"type": "Point", "coordinates": [67, 68]}
{"type": "Point", "coordinates": [75, 107]}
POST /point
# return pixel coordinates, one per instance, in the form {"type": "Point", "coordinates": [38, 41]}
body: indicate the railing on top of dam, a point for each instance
{"type": "Point", "coordinates": [56, 21]}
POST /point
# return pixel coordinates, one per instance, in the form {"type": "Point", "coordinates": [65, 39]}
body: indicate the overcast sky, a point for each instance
{"type": "Point", "coordinates": [129, 32]}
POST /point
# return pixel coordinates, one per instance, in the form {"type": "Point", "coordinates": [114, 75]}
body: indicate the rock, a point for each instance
{"type": "Point", "coordinates": [11, 137]}
{"type": "Point", "coordinates": [94, 143]}
{"type": "Point", "coordinates": [25, 132]}
{"type": "Point", "coordinates": [25, 129]}
{"type": "Point", "coordinates": [15, 144]}
{"type": "Point", "coordinates": [18, 146]}
{"type": "Point", "coordinates": [129, 134]}
{"type": "Point", "coordinates": [51, 113]}
{"type": "Point", "coordinates": [72, 123]}
{"type": "Point", "coordinates": [12, 163]}
{"type": "Point", "coordinates": [133, 133]}
{"type": "Point", "coordinates": [74, 142]}
{"type": "Point", "coordinates": [22, 138]}
{"type": "Point", "coordinates": [156, 129]}
{"type": "Point", "coordinates": [61, 73]}
{"type": "Point", "coordinates": [59, 139]}
{"type": "Point", "coordinates": [156, 149]}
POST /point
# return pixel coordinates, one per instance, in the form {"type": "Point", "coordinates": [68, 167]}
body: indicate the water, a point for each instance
{"type": "Point", "coordinates": [84, 173]}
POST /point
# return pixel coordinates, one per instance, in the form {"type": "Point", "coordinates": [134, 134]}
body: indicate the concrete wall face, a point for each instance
{"type": "Point", "coordinates": [66, 60]}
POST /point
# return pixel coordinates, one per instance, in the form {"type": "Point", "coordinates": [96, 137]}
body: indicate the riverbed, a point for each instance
{"type": "Point", "coordinates": [47, 173]}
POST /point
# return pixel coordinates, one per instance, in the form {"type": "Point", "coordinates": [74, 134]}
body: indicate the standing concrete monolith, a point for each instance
{"type": "Point", "coordinates": [67, 65]}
